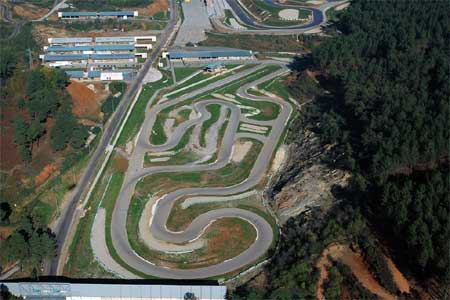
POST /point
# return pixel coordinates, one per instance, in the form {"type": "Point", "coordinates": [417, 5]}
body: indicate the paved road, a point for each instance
{"type": "Point", "coordinates": [56, 7]}
{"type": "Point", "coordinates": [71, 212]}
{"type": "Point", "coordinates": [319, 18]}
{"type": "Point", "coordinates": [162, 209]}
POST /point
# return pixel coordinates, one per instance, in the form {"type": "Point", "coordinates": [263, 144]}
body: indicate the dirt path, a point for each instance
{"type": "Point", "coordinates": [356, 264]}
{"type": "Point", "coordinates": [399, 279]}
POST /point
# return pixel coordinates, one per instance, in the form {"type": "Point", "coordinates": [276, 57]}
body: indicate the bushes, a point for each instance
{"type": "Point", "coordinates": [117, 86]}
{"type": "Point", "coordinates": [109, 106]}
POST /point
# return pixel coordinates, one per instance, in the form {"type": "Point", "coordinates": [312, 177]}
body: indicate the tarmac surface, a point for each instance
{"type": "Point", "coordinates": [64, 226]}
{"type": "Point", "coordinates": [161, 209]}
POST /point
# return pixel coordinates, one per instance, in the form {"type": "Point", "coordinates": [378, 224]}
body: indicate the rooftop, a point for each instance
{"type": "Point", "coordinates": [57, 48]}
{"type": "Point", "coordinates": [64, 40]}
{"type": "Point", "coordinates": [112, 56]}
{"type": "Point", "coordinates": [69, 57]}
{"type": "Point", "coordinates": [102, 39]}
{"type": "Point", "coordinates": [95, 14]}
{"type": "Point", "coordinates": [48, 290]}
{"type": "Point", "coordinates": [207, 52]}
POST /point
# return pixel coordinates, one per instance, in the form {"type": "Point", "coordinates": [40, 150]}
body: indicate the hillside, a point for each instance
{"type": "Point", "coordinates": [380, 112]}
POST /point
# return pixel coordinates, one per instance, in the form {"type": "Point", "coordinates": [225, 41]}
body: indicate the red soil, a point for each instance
{"type": "Point", "coordinates": [85, 103]}
{"type": "Point", "coordinates": [400, 280]}
{"type": "Point", "coordinates": [46, 172]}
{"type": "Point", "coordinates": [356, 264]}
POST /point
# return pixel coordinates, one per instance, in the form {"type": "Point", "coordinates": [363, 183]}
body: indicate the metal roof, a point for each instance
{"type": "Point", "coordinates": [78, 14]}
{"type": "Point", "coordinates": [49, 57]}
{"type": "Point", "coordinates": [112, 56]}
{"type": "Point", "coordinates": [118, 47]}
{"type": "Point", "coordinates": [113, 47]}
{"type": "Point", "coordinates": [64, 40]}
{"type": "Point", "coordinates": [75, 74]}
{"type": "Point", "coordinates": [96, 14]}
{"type": "Point", "coordinates": [55, 48]}
{"type": "Point", "coordinates": [94, 73]}
{"type": "Point", "coordinates": [101, 39]}
{"type": "Point", "coordinates": [209, 53]}
{"type": "Point", "coordinates": [46, 290]}
{"type": "Point", "coordinates": [115, 13]}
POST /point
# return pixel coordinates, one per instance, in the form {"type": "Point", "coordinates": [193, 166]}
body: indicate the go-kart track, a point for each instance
{"type": "Point", "coordinates": [153, 229]}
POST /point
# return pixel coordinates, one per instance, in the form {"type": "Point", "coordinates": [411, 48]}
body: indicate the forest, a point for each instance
{"type": "Point", "coordinates": [389, 118]}
{"type": "Point", "coordinates": [382, 103]}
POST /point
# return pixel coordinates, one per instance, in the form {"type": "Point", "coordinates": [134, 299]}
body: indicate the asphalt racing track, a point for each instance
{"type": "Point", "coordinates": [318, 18]}
{"type": "Point", "coordinates": [156, 225]}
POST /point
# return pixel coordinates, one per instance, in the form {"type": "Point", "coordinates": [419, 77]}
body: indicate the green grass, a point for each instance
{"type": "Point", "coordinates": [109, 208]}
{"type": "Point", "coordinates": [205, 83]}
{"type": "Point", "coordinates": [195, 258]}
{"type": "Point", "coordinates": [81, 261]}
{"type": "Point", "coordinates": [158, 136]}
{"type": "Point", "coordinates": [269, 110]}
{"type": "Point", "coordinates": [214, 110]}
{"type": "Point", "coordinates": [269, 13]}
{"type": "Point", "coordinates": [137, 115]}
{"type": "Point", "coordinates": [180, 218]}
{"type": "Point", "coordinates": [181, 73]}
{"type": "Point", "coordinates": [230, 174]}
{"type": "Point", "coordinates": [276, 86]}
{"type": "Point", "coordinates": [182, 156]}
{"type": "Point", "coordinates": [183, 115]}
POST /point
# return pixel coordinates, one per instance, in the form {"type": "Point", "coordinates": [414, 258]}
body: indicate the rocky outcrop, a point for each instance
{"type": "Point", "coordinates": [306, 180]}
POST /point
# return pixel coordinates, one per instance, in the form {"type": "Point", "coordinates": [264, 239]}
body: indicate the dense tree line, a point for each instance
{"type": "Point", "coordinates": [383, 106]}
{"type": "Point", "coordinates": [30, 244]}
{"type": "Point", "coordinates": [387, 115]}
{"type": "Point", "coordinates": [390, 68]}
{"type": "Point", "coordinates": [417, 211]}
{"type": "Point", "coordinates": [15, 51]}
{"type": "Point", "coordinates": [46, 97]}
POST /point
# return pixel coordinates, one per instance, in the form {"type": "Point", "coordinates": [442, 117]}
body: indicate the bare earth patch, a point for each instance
{"type": "Point", "coordinates": [29, 11]}
{"type": "Point", "coordinates": [399, 279]}
{"type": "Point", "coordinates": [85, 103]}
{"type": "Point", "coordinates": [240, 150]}
{"type": "Point", "coordinates": [356, 264]}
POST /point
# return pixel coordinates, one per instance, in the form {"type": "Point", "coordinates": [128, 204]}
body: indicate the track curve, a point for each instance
{"type": "Point", "coordinates": [163, 206]}
{"type": "Point", "coordinates": [318, 18]}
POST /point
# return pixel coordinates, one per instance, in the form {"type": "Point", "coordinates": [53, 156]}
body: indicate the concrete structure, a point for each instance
{"type": "Point", "coordinates": [207, 55]}
{"type": "Point", "coordinates": [214, 67]}
{"type": "Point", "coordinates": [85, 291]}
{"type": "Point", "coordinates": [103, 54]}
{"type": "Point", "coordinates": [83, 15]}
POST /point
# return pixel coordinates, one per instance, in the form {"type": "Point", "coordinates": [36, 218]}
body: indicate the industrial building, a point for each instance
{"type": "Point", "coordinates": [85, 57]}
{"type": "Point", "coordinates": [207, 55]}
{"type": "Point", "coordinates": [87, 291]}
{"type": "Point", "coordinates": [86, 15]}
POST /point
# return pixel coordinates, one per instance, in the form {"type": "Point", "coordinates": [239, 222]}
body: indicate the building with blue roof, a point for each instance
{"type": "Point", "coordinates": [76, 15]}
{"type": "Point", "coordinates": [208, 54]}
{"type": "Point", "coordinates": [111, 56]}
{"type": "Point", "coordinates": [104, 55]}
{"type": "Point", "coordinates": [68, 57]}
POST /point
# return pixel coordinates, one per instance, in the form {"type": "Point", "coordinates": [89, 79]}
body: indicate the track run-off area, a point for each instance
{"type": "Point", "coordinates": [207, 148]}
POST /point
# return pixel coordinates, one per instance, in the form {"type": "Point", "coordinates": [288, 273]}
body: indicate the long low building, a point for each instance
{"type": "Point", "coordinates": [86, 291]}
{"type": "Point", "coordinates": [207, 54]}
{"type": "Point", "coordinates": [110, 53]}
{"type": "Point", "coordinates": [77, 15]}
